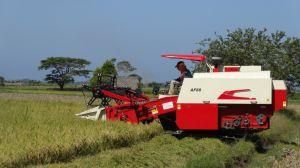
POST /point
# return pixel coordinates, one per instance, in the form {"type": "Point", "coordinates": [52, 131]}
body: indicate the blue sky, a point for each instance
{"type": "Point", "coordinates": [135, 30]}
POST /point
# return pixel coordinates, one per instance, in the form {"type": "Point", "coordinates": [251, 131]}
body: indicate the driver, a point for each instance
{"type": "Point", "coordinates": [184, 73]}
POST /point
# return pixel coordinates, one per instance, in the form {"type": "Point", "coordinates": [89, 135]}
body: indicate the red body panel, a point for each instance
{"type": "Point", "coordinates": [159, 105]}
{"type": "Point", "coordinates": [245, 116]}
{"type": "Point", "coordinates": [216, 70]}
{"type": "Point", "coordinates": [122, 112]}
{"type": "Point", "coordinates": [231, 69]}
{"type": "Point", "coordinates": [279, 99]}
{"type": "Point", "coordinates": [136, 113]}
{"type": "Point", "coordinates": [197, 116]}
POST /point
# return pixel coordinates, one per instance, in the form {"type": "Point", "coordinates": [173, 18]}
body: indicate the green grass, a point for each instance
{"type": "Point", "coordinates": [294, 98]}
{"type": "Point", "coordinates": [274, 155]}
{"type": "Point", "coordinates": [283, 129]}
{"type": "Point", "coordinates": [282, 137]}
{"type": "Point", "coordinates": [168, 151]}
{"type": "Point", "coordinates": [294, 110]}
{"type": "Point", "coordinates": [236, 155]}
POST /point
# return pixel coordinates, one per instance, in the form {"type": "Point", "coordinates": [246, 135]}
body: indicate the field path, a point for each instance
{"type": "Point", "coordinates": [42, 97]}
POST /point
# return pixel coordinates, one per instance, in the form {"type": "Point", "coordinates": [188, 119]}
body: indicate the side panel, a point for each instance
{"type": "Point", "coordinates": [234, 75]}
{"type": "Point", "coordinates": [121, 113]}
{"type": "Point", "coordinates": [279, 99]}
{"type": "Point", "coordinates": [231, 68]}
{"type": "Point", "coordinates": [197, 116]}
{"type": "Point", "coordinates": [279, 95]}
{"type": "Point", "coordinates": [251, 68]}
{"type": "Point", "coordinates": [245, 116]}
{"type": "Point", "coordinates": [162, 106]}
{"type": "Point", "coordinates": [226, 91]}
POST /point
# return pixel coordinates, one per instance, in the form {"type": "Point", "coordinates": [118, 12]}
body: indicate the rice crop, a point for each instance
{"type": "Point", "coordinates": [38, 132]}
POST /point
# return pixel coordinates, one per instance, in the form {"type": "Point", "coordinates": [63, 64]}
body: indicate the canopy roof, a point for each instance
{"type": "Point", "coordinates": [191, 57]}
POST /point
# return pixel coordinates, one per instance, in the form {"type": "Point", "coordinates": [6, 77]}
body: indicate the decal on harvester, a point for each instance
{"type": "Point", "coordinates": [168, 105]}
{"type": "Point", "coordinates": [154, 110]}
{"type": "Point", "coordinates": [195, 89]}
{"type": "Point", "coordinates": [230, 95]}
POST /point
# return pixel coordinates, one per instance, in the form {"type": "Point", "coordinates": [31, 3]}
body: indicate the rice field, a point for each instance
{"type": "Point", "coordinates": [36, 131]}
{"type": "Point", "coordinates": [46, 89]}
{"type": "Point", "coordinates": [40, 130]}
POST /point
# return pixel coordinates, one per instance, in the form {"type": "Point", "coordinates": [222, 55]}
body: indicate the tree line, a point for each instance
{"type": "Point", "coordinates": [1, 81]}
{"type": "Point", "coordinates": [273, 51]}
{"type": "Point", "coordinates": [64, 69]}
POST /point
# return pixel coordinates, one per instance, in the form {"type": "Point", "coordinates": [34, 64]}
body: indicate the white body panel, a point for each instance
{"type": "Point", "coordinates": [253, 68]}
{"type": "Point", "coordinates": [279, 85]}
{"type": "Point", "coordinates": [234, 75]}
{"type": "Point", "coordinates": [160, 96]}
{"type": "Point", "coordinates": [207, 88]}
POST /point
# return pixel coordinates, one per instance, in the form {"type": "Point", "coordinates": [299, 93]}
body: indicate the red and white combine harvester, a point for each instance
{"type": "Point", "coordinates": [228, 99]}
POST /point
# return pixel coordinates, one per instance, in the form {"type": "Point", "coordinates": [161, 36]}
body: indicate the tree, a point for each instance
{"type": "Point", "coordinates": [108, 68]}
{"type": "Point", "coordinates": [155, 84]}
{"type": "Point", "coordinates": [275, 52]}
{"type": "Point", "coordinates": [1, 81]}
{"type": "Point", "coordinates": [63, 69]}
